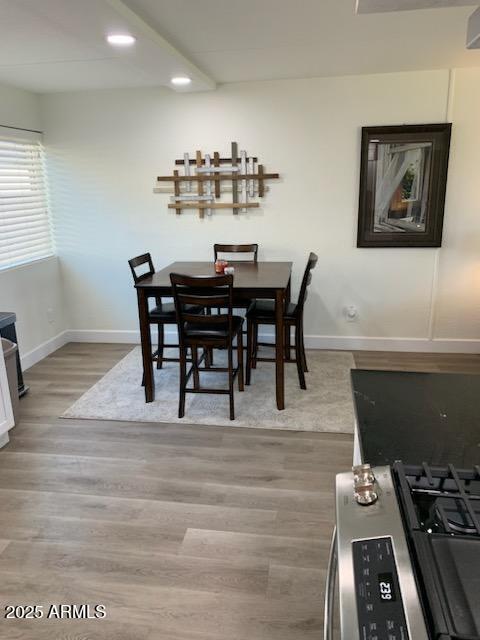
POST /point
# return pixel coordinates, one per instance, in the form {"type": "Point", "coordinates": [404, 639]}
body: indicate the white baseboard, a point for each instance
{"type": "Point", "coordinates": [43, 350]}
{"type": "Point", "coordinates": [344, 343]}
{"type": "Point", "coordinates": [4, 439]}
{"type": "Point", "coordinates": [420, 345]}
{"type": "Point", "coordinates": [110, 335]}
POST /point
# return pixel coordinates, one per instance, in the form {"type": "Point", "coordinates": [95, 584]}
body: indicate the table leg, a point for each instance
{"type": "Point", "coordinates": [279, 348]}
{"type": "Point", "coordinates": [146, 339]}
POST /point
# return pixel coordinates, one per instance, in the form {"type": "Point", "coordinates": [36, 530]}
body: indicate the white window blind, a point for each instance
{"type": "Point", "coordinates": [25, 232]}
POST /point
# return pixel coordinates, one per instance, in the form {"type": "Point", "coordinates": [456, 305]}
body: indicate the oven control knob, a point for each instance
{"type": "Point", "coordinates": [364, 484]}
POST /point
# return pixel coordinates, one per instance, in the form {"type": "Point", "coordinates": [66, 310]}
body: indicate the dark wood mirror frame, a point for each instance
{"type": "Point", "coordinates": [439, 137]}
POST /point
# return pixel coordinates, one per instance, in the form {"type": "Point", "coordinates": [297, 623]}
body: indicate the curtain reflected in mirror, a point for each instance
{"type": "Point", "coordinates": [402, 175]}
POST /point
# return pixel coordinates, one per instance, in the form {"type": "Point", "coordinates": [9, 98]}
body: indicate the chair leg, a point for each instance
{"type": "Point", "coordinates": [240, 360]}
{"type": "Point", "coordinates": [288, 346]}
{"type": "Point", "coordinates": [255, 345]}
{"type": "Point", "coordinates": [248, 374]}
{"type": "Point", "coordinates": [305, 367]}
{"type": "Point", "coordinates": [196, 376]}
{"type": "Point", "coordinates": [183, 380]}
{"type": "Point", "coordinates": [161, 341]}
{"type": "Point", "coordinates": [230, 380]}
{"type": "Point", "coordinates": [299, 358]}
{"type": "Point", "coordinates": [206, 357]}
{"type": "Point", "coordinates": [143, 379]}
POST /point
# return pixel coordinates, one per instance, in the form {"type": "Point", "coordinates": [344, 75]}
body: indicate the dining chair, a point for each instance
{"type": "Point", "coordinates": [249, 250]}
{"type": "Point", "coordinates": [207, 332]}
{"type": "Point", "coordinates": [162, 313]}
{"type": "Point", "coordinates": [263, 312]}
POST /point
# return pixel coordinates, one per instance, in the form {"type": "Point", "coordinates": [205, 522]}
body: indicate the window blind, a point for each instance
{"type": "Point", "coordinates": [25, 232]}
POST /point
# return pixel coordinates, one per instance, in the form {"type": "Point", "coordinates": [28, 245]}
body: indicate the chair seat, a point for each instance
{"type": "Point", "coordinates": [242, 303]}
{"type": "Point", "coordinates": [166, 313]}
{"type": "Point", "coordinates": [197, 331]}
{"type": "Point", "coordinates": [265, 310]}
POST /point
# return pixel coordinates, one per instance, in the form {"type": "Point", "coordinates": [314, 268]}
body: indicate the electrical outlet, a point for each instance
{"type": "Point", "coordinates": [351, 313]}
{"type": "Point", "coordinates": [50, 315]}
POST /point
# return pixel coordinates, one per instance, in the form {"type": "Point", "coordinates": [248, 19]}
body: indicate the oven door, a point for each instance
{"type": "Point", "coordinates": [340, 618]}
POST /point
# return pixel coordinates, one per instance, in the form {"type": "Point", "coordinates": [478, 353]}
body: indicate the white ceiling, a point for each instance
{"type": "Point", "coordinates": [58, 45]}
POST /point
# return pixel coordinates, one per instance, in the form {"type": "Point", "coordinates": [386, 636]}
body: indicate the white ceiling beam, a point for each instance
{"type": "Point", "coordinates": [183, 66]}
{"type": "Point", "coordinates": [383, 6]}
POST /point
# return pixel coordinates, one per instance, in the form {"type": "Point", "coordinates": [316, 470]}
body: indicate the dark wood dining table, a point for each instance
{"type": "Point", "coordinates": [266, 280]}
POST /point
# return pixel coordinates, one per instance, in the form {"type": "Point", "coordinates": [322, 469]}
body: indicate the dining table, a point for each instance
{"type": "Point", "coordinates": [262, 280]}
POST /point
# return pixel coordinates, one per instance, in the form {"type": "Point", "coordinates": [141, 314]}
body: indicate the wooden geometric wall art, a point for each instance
{"type": "Point", "coordinates": [207, 178]}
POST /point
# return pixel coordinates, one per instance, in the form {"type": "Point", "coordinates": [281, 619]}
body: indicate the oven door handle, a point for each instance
{"type": "Point", "coordinates": [330, 589]}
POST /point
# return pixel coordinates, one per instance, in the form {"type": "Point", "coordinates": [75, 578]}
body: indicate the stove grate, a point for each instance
{"type": "Point", "coordinates": [424, 482]}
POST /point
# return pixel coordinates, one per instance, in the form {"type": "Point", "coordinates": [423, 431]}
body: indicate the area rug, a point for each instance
{"type": "Point", "coordinates": [326, 405]}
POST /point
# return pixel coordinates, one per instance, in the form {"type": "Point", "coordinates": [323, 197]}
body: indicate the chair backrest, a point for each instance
{"type": "Point", "coordinates": [140, 261]}
{"type": "Point", "coordinates": [209, 292]}
{"type": "Point", "coordinates": [306, 280]}
{"type": "Point", "coordinates": [237, 248]}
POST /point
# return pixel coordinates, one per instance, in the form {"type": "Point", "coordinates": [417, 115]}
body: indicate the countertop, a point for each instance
{"type": "Point", "coordinates": [417, 417]}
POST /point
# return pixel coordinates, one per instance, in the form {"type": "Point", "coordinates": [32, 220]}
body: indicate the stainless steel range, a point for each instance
{"type": "Point", "coordinates": [407, 547]}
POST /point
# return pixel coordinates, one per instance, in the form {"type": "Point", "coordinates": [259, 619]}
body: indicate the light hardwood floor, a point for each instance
{"type": "Point", "coordinates": [182, 532]}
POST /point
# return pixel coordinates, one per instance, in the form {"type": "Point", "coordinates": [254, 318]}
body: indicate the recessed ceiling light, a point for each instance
{"type": "Point", "coordinates": [122, 39]}
{"type": "Point", "coordinates": [181, 81]}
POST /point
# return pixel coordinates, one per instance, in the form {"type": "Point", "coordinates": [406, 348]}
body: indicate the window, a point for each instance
{"type": "Point", "coordinates": [25, 233]}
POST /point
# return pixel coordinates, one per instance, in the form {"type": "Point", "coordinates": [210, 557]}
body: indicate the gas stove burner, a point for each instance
{"type": "Point", "coordinates": [441, 500]}
{"type": "Point", "coordinates": [451, 516]}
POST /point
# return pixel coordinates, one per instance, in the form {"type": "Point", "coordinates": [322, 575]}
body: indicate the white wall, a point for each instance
{"type": "Point", "coordinates": [457, 312]}
{"type": "Point", "coordinates": [107, 147]}
{"type": "Point", "coordinates": [19, 108]}
{"type": "Point", "coordinates": [33, 292]}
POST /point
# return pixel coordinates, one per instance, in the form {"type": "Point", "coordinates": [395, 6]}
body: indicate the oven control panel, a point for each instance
{"type": "Point", "coordinates": [380, 609]}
